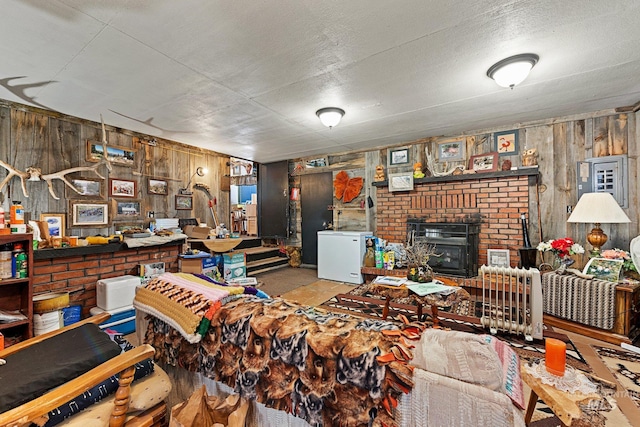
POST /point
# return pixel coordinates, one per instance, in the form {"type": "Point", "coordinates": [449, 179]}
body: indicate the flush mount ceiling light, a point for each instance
{"type": "Point", "coordinates": [330, 116]}
{"type": "Point", "coordinates": [513, 70]}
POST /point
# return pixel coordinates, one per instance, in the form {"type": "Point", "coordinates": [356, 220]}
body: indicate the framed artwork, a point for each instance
{"type": "Point", "coordinates": [86, 188]}
{"type": "Point", "coordinates": [184, 203]}
{"type": "Point", "coordinates": [487, 162]}
{"type": "Point", "coordinates": [401, 181]}
{"type": "Point", "coordinates": [122, 188]}
{"type": "Point", "coordinates": [506, 143]}
{"type": "Point", "coordinates": [604, 269]}
{"type": "Point", "coordinates": [126, 209]}
{"type": "Point", "coordinates": [89, 214]}
{"type": "Point", "coordinates": [498, 258]}
{"type": "Point", "coordinates": [116, 155]}
{"type": "Point", "coordinates": [452, 151]}
{"type": "Point", "coordinates": [398, 156]}
{"type": "Point", "coordinates": [124, 226]}
{"type": "Point", "coordinates": [55, 223]}
{"type": "Point", "coordinates": [157, 186]}
{"type": "Point", "coordinates": [320, 162]}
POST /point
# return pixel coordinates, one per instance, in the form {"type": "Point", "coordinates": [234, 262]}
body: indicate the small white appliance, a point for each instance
{"type": "Point", "coordinates": [116, 292]}
{"type": "Point", "coordinates": [340, 255]}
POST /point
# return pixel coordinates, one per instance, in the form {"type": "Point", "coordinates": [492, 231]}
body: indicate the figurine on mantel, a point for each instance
{"type": "Point", "coordinates": [379, 173]}
{"type": "Point", "coordinates": [417, 170]}
{"type": "Point", "coordinates": [530, 157]}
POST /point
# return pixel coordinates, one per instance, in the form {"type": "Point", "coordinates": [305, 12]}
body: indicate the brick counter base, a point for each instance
{"type": "Point", "coordinates": [78, 274]}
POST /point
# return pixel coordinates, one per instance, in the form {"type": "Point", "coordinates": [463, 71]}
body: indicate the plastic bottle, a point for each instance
{"type": "Point", "coordinates": [2, 224]}
{"type": "Point", "coordinates": [20, 262]}
{"type": "Point", "coordinates": [17, 213]}
{"type": "Point", "coordinates": [6, 257]}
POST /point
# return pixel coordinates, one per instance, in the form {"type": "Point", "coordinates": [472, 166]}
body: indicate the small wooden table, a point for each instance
{"type": "Point", "coordinates": [565, 405]}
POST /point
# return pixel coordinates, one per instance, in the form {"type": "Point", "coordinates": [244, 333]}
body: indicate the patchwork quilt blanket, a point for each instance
{"type": "Point", "coordinates": [327, 368]}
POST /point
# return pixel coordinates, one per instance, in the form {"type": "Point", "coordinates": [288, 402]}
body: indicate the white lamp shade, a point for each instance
{"type": "Point", "coordinates": [330, 117]}
{"type": "Point", "coordinates": [598, 208]}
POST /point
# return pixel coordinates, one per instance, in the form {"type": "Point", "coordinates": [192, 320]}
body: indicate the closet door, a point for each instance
{"type": "Point", "coordinates": [316, 195]}
{"type": "Point", "coordinates": [273, 199]}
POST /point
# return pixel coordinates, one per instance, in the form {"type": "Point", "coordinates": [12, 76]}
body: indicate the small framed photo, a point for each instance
{"type": "Point", "coordinates": [487, 162]}
{"type": "Point", "coordinates": [86, 188]}
{"type": "Point", "coordinates": [398, 156]}
{"type": "Point", "coordinates": [498, 258]}
{"type": "Point", "coordinates": [88, 214]}
{"type": "Point", "coordinates": [184, 203]}
{"type": "Point", "coordinates": [401, 181]}
{"type": "Point", "coordinates": [157, 186]}
{"type": "Point", "coordinates": [122, 188]}
{"type": "Point", "coordinates": [116, 155]}
{"type": "Point", "coordinates": [126, 209]}
{"type": "Point", "coordinates": [506, 143]}
{"type": "Point", "coordinates": [320, 162]}
{"type": "Point", "coordinates": [604, 269]}
{"type": "Point", "coordinates": [452, 151]}
{"type": "Point", "coordinates": [55, 223]}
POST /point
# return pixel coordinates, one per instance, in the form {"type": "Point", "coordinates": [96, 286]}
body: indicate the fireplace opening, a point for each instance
{"type": "Point", "coordinates": [455, 243]}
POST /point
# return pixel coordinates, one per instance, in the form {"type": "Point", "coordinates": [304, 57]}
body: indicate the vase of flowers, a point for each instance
{"type": "Point", "coordinates": [628, 267]}
{"type": "Point", "coordinates": [562, 251]}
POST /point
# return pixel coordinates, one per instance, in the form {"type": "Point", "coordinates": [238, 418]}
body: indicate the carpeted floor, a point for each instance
{"type": "Point", "coordinates": [625, 366]}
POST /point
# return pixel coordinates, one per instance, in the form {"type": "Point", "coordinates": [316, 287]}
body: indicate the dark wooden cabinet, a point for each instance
{"type": "Point", "coordinates": [628, 310]}
{"type": "Point", "coordinates": [17, 294]}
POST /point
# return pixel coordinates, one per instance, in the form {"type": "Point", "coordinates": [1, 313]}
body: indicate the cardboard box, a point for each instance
{"type": "Point", "coordinates": [197, 232]}
{"type": "Point", "coordinates": [235, 265]}
{"type": "Point", "coordinates": [201, 265]}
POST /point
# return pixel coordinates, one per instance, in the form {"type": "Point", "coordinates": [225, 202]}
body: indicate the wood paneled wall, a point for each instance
{"type": "Point", "coordinates": [53, 142]}
{"type": "Point", "coordinates": [560, 144]}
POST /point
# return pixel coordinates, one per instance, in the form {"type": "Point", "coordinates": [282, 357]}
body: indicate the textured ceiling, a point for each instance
{"type": "Point", "coordinates": [246, 77]}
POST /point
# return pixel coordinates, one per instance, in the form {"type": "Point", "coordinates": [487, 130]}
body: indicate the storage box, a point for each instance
{"type": "Point", "coordinates": [201, 265]}
{"type": "Point", "coordinates": [122, 320]}
{"type": "Point", "coordinates": [235, 265]}
{"type": "Point", "coordinates": [116, 292]}
{"type": "Point", "coordinates": [197, 232]}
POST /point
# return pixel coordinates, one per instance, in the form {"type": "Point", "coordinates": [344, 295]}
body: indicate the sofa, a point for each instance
{"type": "Point", "coordinates": [302, 366]}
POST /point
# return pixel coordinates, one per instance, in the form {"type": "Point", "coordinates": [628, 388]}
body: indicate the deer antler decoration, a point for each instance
{"type": "Point", "coordinates": [35, 174]}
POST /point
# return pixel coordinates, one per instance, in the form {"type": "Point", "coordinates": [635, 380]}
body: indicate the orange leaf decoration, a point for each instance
{"type": "Point", "coordinates": [340, 184]}
{"type": "Point", "coordinates": [347, 188]}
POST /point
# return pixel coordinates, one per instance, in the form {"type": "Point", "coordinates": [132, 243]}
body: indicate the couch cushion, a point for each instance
{"type": "Point", "coordinates": [459, 355]}
{"type": "Point", "coordinates": [33, 371]}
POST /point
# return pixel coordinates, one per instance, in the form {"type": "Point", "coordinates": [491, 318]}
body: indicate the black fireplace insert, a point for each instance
{"type": "Point", "coordinates": [456, 244]}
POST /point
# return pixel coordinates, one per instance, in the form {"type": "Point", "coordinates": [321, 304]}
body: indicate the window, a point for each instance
{"type": "Point", "coordinates": [604, 174]}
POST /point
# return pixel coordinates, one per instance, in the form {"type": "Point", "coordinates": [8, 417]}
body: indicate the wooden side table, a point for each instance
{"type": "Point", "coordinates": [563, 404]}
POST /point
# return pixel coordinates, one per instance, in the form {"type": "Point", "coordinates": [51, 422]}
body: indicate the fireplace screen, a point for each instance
{"type": "Point", "coordinates": [456, 244]}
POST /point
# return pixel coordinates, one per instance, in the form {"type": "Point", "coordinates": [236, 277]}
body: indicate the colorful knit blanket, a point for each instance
{"type": "Point", "coordinates": [186, 301]}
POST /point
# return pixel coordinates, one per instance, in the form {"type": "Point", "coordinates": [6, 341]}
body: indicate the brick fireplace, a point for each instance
{"type": "Point", "coordinates": [494, 200]}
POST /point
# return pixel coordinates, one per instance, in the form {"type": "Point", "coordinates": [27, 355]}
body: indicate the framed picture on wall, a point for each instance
{"type": "Point", "coordinates": [86, 188]}
{"type": "Point", "coordinates": [157, 186]}
{"type": "Point", "coordinates": [88, 214]}
{"type": "Point", "coordinates": [398, 156]}
{"type": "Point", "coordinates": [121, 156]}
{"type": "Point", "coordinates": [401, 181]}
{"type": "Point", "coordinates": [487, 162]}
{"type": "Point", "coordinates": [55, 223]}
{"type": "Point", "coordinates": [451, 151]}
{"type": "Point", "coordinates": [126, 209]}
{"type": "Point", "coordinates": [498, 258]}
{"type": "Point", "coordinates": [506, 143]}
{"type": "Point", "coordinates": [122, 188]}
{"type": "Point", "coordinates": [184, 203]}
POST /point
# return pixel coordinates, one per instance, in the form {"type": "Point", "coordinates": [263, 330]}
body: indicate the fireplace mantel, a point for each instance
{"type": "Point", "coordinates": [529, 171]}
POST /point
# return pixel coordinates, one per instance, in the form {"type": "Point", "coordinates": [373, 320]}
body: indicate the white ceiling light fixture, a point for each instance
{"type": "Point", "coordinates": [330, 116]}
{"type": "Point", "coordinates": [513, 70]}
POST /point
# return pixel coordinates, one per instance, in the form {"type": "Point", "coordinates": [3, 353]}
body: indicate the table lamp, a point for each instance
{"type": "Point", "coordinates": [598, 208]}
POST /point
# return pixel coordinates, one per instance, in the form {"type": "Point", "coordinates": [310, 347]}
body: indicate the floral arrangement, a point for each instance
{"type": "Point", "coordinates": [562, 248]}
{"type": "Point", "coordinates": [627, 262]}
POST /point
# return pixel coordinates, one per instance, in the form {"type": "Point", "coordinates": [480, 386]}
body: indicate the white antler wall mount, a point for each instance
{"type": "Point", "coordinates": [35, 174]}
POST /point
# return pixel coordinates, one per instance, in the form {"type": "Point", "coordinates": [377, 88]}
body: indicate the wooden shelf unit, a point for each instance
{"type": "Point", "coordinates": [17, 294]}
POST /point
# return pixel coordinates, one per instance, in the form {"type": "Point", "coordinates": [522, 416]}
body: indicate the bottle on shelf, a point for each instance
{"type": "Point", "coordinates": [20, 262]}
{"type": "Point", "coordinates": [17, 213]}
{"type": "Point", "coordinates": [6, 256]}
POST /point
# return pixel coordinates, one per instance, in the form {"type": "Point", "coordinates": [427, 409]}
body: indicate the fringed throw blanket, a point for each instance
{"type": "Point", "coordinates": [587, 301]}
{"type": "Point", "coordinates": [185, 301]}
{"type": "Point", "coordinates": [327, 368]}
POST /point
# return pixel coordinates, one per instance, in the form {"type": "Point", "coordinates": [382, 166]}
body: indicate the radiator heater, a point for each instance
{"type": "Point", "coordinates": [512, 301]}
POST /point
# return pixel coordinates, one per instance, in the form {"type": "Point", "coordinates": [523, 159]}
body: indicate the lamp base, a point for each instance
{"type": "Point", "coordinates": [597, 239]}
